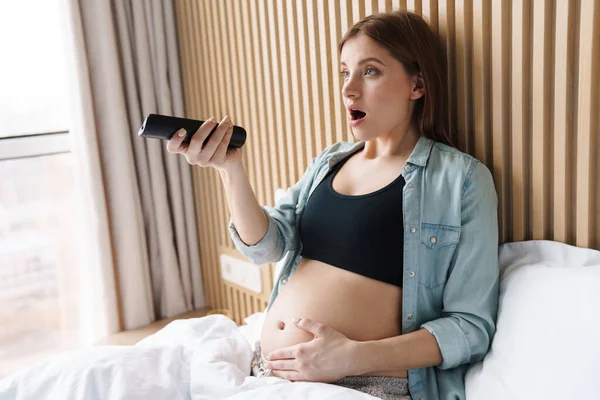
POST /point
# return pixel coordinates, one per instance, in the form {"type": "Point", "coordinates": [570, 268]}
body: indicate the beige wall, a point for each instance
{"type": "Point", "coordinates": [523, 75]}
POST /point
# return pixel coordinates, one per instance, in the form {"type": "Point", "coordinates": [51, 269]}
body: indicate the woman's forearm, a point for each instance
{"type": "Point", "coordinates": [246, 214]}
{"type": "Point", "coordinates": [410, 351]}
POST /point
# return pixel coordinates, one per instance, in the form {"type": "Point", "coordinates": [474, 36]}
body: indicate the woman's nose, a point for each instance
{"type": "Point", "coordinates": [350, 89]}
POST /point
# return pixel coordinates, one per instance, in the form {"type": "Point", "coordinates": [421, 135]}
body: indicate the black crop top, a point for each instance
{"type": "Point", "coordinates": [362, 234]}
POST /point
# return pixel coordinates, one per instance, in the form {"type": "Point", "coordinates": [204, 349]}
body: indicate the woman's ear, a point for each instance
{"type": "Point", "coordinates": [418, 87]}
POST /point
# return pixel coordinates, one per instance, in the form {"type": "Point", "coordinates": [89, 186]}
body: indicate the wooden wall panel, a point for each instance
{"type": "Point", "coordinates": [523, 78]}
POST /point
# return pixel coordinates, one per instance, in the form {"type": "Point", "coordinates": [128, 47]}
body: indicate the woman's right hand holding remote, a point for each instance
{"type": "Point", "coordinates": [246, 214]}
{"type": "Point", "coordinates": [215, 153]}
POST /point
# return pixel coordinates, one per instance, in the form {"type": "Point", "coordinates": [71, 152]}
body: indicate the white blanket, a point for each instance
{"type": "Point", "coordinates": [201, 358]}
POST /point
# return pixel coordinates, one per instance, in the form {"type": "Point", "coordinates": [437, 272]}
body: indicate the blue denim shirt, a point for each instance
{"type": "Point", "coordinates": [451, 272]}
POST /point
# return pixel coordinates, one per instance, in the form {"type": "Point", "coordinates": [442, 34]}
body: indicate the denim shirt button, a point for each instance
{"type": "Point", "coordinates": [283, 281]}
{"type": "Point", "coordinates": [411, 274]}
{"type": "Point", "coordinates": [409, 316]}
{"type": "Point", "coordinates": [408, 168]}
{"type": "Point", "coordinates": [410, 186]}
{"type": "Point", "coordinates": [412, 230]}
{"type": "Point", "coordinates": [433, 239]}
{"type": "Point", "coordinates": [298, 205]}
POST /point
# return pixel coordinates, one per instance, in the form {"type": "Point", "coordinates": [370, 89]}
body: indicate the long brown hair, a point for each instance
{"type": "Point", "coordinates": [410, 40]}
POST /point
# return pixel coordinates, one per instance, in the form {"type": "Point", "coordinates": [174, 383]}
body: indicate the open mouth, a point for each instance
{"type": "Point", "coordinates": [357, 114]}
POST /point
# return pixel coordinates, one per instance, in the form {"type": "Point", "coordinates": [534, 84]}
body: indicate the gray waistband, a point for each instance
{"type": "Point", "coordinates": [385, 387]}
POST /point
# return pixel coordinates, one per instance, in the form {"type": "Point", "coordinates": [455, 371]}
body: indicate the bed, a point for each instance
{"type": "Point", "coordinates": [546, 347]}
{"type": "Point", "coordinates": [198, 358]}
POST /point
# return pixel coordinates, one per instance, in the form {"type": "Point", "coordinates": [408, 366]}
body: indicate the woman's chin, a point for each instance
{"type": "Point", "coordinates": [361, 135]}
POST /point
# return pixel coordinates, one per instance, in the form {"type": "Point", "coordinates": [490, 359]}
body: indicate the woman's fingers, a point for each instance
{"type": "Point", "coordinates": [220, 155]}
{"type": "Point", "coordinates": [176, 143]}
{"type": "Point", "coordinates": [212, 154]}
{"type": "Point", "coordinates": [210, 147]}
{"type": "Point", "coordinates": [282, 365]}
{"type": "Point", "coordinates": [200, 136]}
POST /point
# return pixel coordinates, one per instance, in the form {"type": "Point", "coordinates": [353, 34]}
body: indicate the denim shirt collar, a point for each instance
{"type": "Point", "coordinates": [419, 155]}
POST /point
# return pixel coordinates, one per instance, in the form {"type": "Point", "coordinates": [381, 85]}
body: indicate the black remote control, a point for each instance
{"type": "Point", "coordinates": [163, 127]}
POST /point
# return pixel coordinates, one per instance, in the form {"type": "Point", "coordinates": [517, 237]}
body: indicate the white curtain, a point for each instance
{"type": "Point", "coordinates": [138, 248]}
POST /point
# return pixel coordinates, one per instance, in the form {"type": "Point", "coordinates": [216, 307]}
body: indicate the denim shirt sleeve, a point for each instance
{"type": "Point", "coordinates": [470, 298]}
{"type": "Point", "coordinates": [281, 232]}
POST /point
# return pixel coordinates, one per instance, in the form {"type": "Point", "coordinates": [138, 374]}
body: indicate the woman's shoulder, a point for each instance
{"type": "Point", "coordinates": [451, 157]}
{"type": "Point", "coordinates": [460, 165]}
{"type": "Point", "coordinates": [450, 154]}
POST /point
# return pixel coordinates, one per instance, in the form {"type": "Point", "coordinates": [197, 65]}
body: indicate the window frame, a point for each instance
{"type": "Point", "coordinates": [34, 145]}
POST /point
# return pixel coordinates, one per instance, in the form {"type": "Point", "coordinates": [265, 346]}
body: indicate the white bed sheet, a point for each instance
{"type": "Point", "coordinates": [209, 358]}
{"type": "Point", "coordinates": [200, 358]}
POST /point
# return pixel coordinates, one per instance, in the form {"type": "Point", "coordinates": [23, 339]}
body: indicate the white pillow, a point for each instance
{"type": "Point", "coordinates": [547, 343]}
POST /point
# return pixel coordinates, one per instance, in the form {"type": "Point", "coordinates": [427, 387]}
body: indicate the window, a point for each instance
{"type": "Point", "coordinates": [33, 78]}
{"type": "Point", "coordinates": [37, 187]}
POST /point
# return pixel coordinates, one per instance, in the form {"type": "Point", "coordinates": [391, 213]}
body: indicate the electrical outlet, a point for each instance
{"type": "Point", "coordinates": [241, 272]}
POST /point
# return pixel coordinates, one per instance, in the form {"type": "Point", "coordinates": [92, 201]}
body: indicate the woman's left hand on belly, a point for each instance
{"type": "Point", "coordinates": [326, 358]}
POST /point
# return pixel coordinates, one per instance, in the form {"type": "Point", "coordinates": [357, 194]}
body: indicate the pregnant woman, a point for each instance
{"type": "Point", "coordinates": [390, 284]}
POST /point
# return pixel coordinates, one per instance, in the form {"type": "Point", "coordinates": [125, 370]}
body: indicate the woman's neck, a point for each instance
{"type": "Point", "coordinates": [391, 146]}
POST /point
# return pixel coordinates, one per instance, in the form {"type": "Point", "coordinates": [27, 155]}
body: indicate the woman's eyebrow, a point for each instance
{"type": "Point", "coordinates": [366, 60]}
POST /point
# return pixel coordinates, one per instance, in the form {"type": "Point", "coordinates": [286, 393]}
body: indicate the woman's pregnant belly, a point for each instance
{"type": "Point", "coordinates": [359, 307]}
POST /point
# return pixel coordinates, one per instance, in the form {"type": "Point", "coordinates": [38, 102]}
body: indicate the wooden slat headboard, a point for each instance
{"type": "Point", "coordinates": [523, 77]}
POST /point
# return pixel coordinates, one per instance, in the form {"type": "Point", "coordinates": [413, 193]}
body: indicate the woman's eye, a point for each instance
{"type": "Point", "coordinates": [368, 71]}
